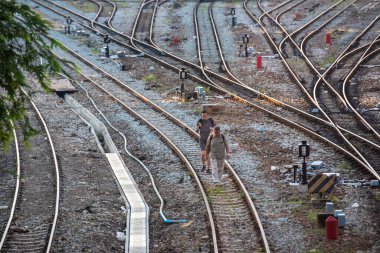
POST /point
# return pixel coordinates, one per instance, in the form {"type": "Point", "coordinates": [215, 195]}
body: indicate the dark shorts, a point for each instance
{"type": "Point", "coordinates": [202, 144]}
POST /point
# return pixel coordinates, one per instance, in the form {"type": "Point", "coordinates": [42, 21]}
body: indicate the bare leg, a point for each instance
{"type": "Point", "coordinates": [204, 159]}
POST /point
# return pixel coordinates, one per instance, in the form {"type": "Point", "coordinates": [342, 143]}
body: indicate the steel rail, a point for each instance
{"type": "Point", "coordinates": [135, 114]}
{"type": "Point", "coordinates": [275, 8]}
{"type": "Point", "coordinates": [100, 8]}
{"type": "Point", "coordinates": [301, 49]}
{"type": "Point", "coordinates": [56, 166]}
{"type": "Point", "coordinates": [312, 20]}
{"type": "Point", "coordinates": [197, 36]}
{"type": "Point", "coordinates": [275, 116]}
{"type": "Point", "coordinates": [353, 51]}
{"type": "Point", "coordinates": [237, 178]}
{"type": "Point", "coordinates": [288, 9]}
{"type": "Point", "coordinates": [339, 58]}
{"type": "Point", "coordinates": [365, 55]}
{"type": "Point", "coordinates": [145, 44]}
{"type": "Point", "coordinates": [137, 19]}
{"type": "Point", "coordinates": [292, 73]}
{"type": "Point", "coordinates": [109, 21]}
{"type": "Point", "coordinates": [363, 163]}
{"type": "Point", "coordinates": [56, 170]}
{"type": "Point", "coordinates": [17, 189]}
{"type": "Point", "coordinates": [152, 22]}
{"type": "Point", "coordinates": [192, 76]}
{"type": "Point", "coordinates": [311, 65]}
{"type": "Point", "coordinates": [308, 36]}
{"type": "Point", "coordinates": [175, 149]}
{"type": "Point", "coordinates": [219, 89]}
{"type": "Point", "coordinates": [220, 50]}
{"type": "Point", "coordinates": [369, 166]}
{"type": "Point", "coordinates": [306, 58]}
{"type": "Point", "coordinates": [342, 55]}
{"type": "Point", "coordinates": [199, 44]}
{"type": "Point", "coordinates": [167, 140]}
{"type": "Point", "coordinates": [272, 99]}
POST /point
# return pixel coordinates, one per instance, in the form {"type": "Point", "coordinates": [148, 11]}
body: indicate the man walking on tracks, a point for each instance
{"type": "Point", "coordinates": [204, 127]}
{"type": "Point", "coordinates": [217, 149]}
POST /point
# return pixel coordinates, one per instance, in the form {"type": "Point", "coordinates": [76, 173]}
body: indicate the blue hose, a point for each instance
{"type": "Point", "coordinates": [171, 221]}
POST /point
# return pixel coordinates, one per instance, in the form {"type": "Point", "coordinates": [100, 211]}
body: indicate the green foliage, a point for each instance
{"type": "Point", "coordinates": [84, 6]}
{"type": "Point", "coordinates": [315, 251]}
{"type": "Point", "coordinates": [21, 47]}
{"type": "Point", "coordinates": [295, 200]}
{"type": "Point", "coordinates": [334, 199]}
{"type": "Point", "coordinates": [377, 195]}
{"type": "Point", "coordinates": [344, 165]}
{"type": "Point", "coordinates": [150, 78]}
{"type": "Point", "coordinates": [95, 51]}
{"type": "Point", "coordinates": [206, 89]}
{"type": "Point", "coordinates": [198, 110]}
{"type": "Point", "coordinates": [312, 216]}
{"type": "Point", "coordinates": [213, 190]}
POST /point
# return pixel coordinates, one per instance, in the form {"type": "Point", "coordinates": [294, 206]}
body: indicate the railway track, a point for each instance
{"type": "Point", "coordinates": [10, 185]}
{"type": "Point", "coordinates": [314, 133]}
{"type": "Point", "coordinates": [33, 218]}
{"type": "Point", "coordinates": [201, 52]}
{"type": "Point", "coordinates": [349, 145]}
{"type": "Point", "coordinates": [227, 214]}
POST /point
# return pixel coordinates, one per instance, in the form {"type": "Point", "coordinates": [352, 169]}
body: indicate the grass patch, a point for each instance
{"type": "Point", "coordinates": [312, 216]}
{"type": "Point", "coordinates": [12, 172]}
{"type": "Point", "coordinates": [150, 78]}
{"type": "Point", "coordinates": [122, 5]}
{"type": "Point", "coordinates": [85, 7]}
{"type": "Point", "coordinates": [198, 110]}
{"type": "Point", "coordinates": [295, 200]}
{"type": "Point", "coordinates": [327, 61]}
{"type": "Point", "coordinates": [213, 190]}
{"type": "Point", "coordinates": [377, 195]}
{"type": "Point", "coordinates": [334, 199]}
{"type": "Point", "coordinates": [344, 165]}
{"type": "Point", "coordinates": [315, 251]}
{"type": "Point", "coordinates": [206, 89]}
{"type": "Point", "coordinates": [95, 51]}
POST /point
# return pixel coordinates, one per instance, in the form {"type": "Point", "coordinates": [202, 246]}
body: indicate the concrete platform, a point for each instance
{"type": "Point", "coordinates": [138, 226]}
{"type": "Point", "coordinates": [62, 85]}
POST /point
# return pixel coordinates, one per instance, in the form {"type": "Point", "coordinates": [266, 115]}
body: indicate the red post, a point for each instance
{"type": "Point", "coordinates": [297, 16]}
{"type": "Point", "coordinates": [331, 228]}
{"type": "Point", "coordinates": [328, 38]}
{"type": "Point", "coordinates": [259, 62]}
{"type": "Point", "coordinates": [176, 40]}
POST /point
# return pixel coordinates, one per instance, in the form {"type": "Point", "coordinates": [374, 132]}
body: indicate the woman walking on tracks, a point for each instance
{"type": "Point", "coordinates": [217, 149]}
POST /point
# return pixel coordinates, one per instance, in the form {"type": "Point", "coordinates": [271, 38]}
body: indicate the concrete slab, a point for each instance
{"type": "Point", "coordinates": [62, 85]}
{"type": "Point", "coordinates": [138, 220]}
{"type": "Point", "coordinates": [317, 165]}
